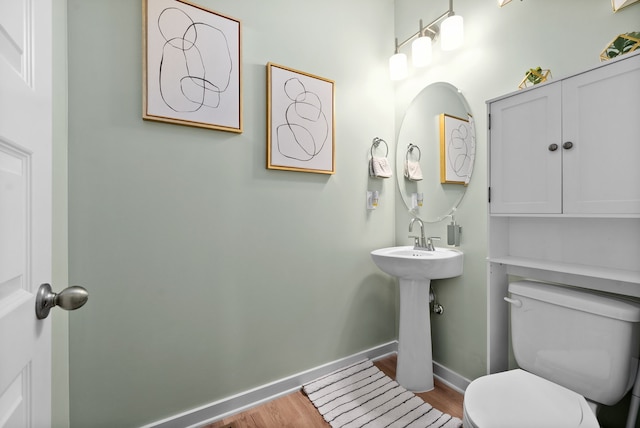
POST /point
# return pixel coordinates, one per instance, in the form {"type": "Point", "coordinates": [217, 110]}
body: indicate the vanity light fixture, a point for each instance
{"type": "Point", "coordinates": [421, 50]}
{"type": "Point", "coordinates": [503, 2]}
{"type": "Point", "coordinates": [398, 65]}
{"type": "Point", "coordinates": [451, 32]}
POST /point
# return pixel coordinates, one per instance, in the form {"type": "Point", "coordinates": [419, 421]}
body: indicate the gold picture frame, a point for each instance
{"type": "Point", "coordinates": [457, 149]}
{"type": "Point", "coordinates": [616, 5]}
{"type": "Point", "coordinates": [300, 121]}
{"type": "Point", "coordinates": [191, 66]}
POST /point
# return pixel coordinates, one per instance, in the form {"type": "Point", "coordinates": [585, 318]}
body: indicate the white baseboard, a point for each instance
{"type": "Point", "coordinates": [221, 409]}
{"type": "Point", "coordinates": [226, 407]}
{"type": "Point", "coordinates": [450, 378]}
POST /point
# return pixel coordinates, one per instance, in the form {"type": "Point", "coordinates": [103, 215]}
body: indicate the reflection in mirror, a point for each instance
{"type": "Point", "coordinates": [419, 142]}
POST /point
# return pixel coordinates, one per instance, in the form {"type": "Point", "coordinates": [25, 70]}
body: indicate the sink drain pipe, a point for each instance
{"type": "Point", "coordinates": [437, 308]}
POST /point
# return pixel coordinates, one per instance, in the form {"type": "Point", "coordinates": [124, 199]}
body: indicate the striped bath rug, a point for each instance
{"type": "Point", "coordinates": [362, 396]}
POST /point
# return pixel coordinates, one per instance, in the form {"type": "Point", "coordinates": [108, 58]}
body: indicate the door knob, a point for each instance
{"type": "Point", "coordinates": [553, 147]}
{"type": "Point", "coordinates": [70, 298]}
{"type": "Point", "coordinates": [567, 145]}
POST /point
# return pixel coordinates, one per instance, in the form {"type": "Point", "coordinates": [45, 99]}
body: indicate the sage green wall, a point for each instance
{"type": "Point", "coordinates": [500, 45]}
{"type": "Point", "coordinates": [210, 275]}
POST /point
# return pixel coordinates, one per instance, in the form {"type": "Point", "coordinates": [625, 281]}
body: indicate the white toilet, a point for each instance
{"type": "Point", "coordinates": [571, 346]}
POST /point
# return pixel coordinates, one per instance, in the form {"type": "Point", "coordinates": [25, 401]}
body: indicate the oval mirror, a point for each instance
{"type": "Point", "coordinates": [436, 141]}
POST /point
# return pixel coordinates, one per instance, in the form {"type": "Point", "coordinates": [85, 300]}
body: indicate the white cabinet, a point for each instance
{"type": "Point", "coordinates": [526, 177]}
{"type": "Point", "coordinates": [571, 146]}
{"type": "Point", "coordinates": [601, 116]}
{"type": "Point", "coordinates": [564, 214]}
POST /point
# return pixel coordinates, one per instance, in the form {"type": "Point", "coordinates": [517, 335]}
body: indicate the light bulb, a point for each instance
{"type": "Point", "coordinates": [452, 33]}
{"type": "Point", "coordinates": [398, 66]}
{"type": "Point", "coordinates": [421, 51]}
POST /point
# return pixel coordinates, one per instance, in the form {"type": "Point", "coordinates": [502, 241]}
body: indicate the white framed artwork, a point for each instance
{"type": "Point", "coordinates": [300, 121]}
{"type": "Point", "coordinates": [192, 67]}
{"type": "Point", "coordinates": [619, 4]}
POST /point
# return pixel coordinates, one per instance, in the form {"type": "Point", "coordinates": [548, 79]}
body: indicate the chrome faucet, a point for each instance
{"type": "Point", "coordinates": [419, 242]}
{"type": "Point", "coordinates": [430, 240]}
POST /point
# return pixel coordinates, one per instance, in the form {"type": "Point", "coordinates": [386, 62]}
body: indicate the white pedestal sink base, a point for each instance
{"type": "Point", "coordinates": [414, 369]}
{"type": "Point", "coordinates": [415, 268]}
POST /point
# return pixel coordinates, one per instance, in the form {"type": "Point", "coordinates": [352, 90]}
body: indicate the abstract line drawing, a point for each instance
{"type": "Point", "coordinates": [197, 60]}
{"type": "Point", "coordinates": [300, 121]}
{"type": "Point", "coordinates": [192, 66]}
{"type": "Point", "coordinates": [457, 149]}
{"type": "Point", "coordinates": [305, 131]}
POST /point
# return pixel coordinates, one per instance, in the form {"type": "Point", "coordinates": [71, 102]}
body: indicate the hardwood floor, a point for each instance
{"type": "Point", "coordinates": [295, 410]}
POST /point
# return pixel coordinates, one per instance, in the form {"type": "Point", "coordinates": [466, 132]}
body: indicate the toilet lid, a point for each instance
{"type": "Point", "coordinates": [520, 399]}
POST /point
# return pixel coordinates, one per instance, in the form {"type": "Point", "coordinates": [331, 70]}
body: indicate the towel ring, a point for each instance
{"type": "Point", "coordinates": [410, 150]}
{"type": "Point", "coordinates": [376, 143]}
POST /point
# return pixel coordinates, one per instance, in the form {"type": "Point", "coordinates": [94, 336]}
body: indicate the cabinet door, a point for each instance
{"type": "Point", "coordinates": [526, 174]}
{"type": "Point", "coordinates": [601, 113]}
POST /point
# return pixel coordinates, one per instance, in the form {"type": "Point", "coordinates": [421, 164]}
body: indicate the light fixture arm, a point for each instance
{"type": "Point", "coordinates": [430, 30]}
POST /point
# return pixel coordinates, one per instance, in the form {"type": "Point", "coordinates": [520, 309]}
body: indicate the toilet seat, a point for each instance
{"type": "Point", "coordinates": [517, 398]}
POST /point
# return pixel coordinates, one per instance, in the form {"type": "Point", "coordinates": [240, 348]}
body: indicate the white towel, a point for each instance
{"type": "Point", "coordinates": [412, 170]}
{"type": "Point", "coordinates": [379, 167]}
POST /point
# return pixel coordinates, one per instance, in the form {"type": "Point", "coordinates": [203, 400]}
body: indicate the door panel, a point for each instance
{"type": "Point", "coordinates": [25, 211]}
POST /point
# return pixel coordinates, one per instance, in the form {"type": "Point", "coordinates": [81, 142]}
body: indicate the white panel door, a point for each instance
{"type": "Point", "coordinates": [25, 211]}
{"type": "Point", "coordinates": [525, 154]}
{"type": "Point", "coordinates": [601, 114]}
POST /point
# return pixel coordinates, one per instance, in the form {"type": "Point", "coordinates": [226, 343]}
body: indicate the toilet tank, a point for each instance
{"type": "Point", "coordinates": [584, 341]}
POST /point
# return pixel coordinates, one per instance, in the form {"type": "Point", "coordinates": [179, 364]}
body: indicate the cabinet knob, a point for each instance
{"type": "Point", "coordinates": [553, 147]}
{"type": "Point", "coordinates": [567, 145]}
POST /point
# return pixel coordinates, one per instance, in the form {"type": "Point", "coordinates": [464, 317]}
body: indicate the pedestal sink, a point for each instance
{"type": "Point", "coordinates": [415, 268]}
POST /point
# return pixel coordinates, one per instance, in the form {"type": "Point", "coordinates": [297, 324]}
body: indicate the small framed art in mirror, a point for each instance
{"type": "Point", "coordinates": [457, 149]}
